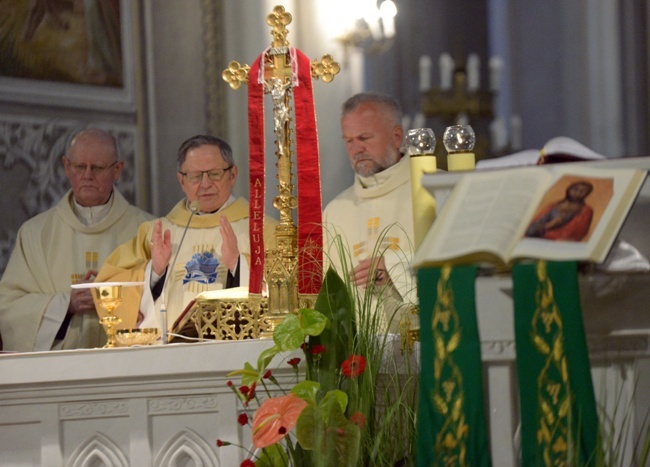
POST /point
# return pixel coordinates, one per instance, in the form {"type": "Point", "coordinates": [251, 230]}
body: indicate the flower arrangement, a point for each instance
{"type": "Point", "coordinates": [352, 404]}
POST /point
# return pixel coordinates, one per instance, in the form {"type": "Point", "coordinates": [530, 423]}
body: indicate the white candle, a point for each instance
{"type": "Point", "coordinates": [496, 67]}
{"type": "Point", "coordinates": [473, 72]}
{"type": "Point", "coordinates": [425, 73]}
{"type": "Point", "coordinates": [387, 11]}
{"type": "Point", "coordinates": [446, 64]}
{"type": "Point", "coordinates": [498, 135]}
{"type": "Point", "coordinates": [516, 138]}
{"type": "Point", "coordinates": [418, 120]}
{"type": "Point", "coordinates": [406, 122]}
{"type": "Point", "coordinates": [373, 20]}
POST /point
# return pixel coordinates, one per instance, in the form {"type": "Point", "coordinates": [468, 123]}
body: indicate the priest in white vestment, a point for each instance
{"type": "Point", "coordinates": [215, 252]}
{"type": "Point", "coordinates": [369, 226]}
{"type": "Point", "coordinates": [66, 245]}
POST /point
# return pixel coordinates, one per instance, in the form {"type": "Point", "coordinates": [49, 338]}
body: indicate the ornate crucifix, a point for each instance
{"type": "Point", "coordinates": [293, 270]}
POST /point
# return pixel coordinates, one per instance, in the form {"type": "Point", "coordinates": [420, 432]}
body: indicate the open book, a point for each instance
{"type": "Point", "coordinates": [554, 212]}
{"type": "Point", "coordinates": [558, 149]}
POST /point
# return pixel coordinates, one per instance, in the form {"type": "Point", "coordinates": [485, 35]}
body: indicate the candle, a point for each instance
{"type": "Point", "coordinates": [418, 120]}
{"type": "Point", "coordinates": [498, 135]}
{"type": "Point", "coordinates": [421, 146]}
{"type": "Point", "coordinates": [516, 140]}
{"type": "Point", "coordinates": [423, 204]}
{"type": "Point", "coordinates": [496, 66]}
{"type": "Point", "coordinates": [446, 64]}
{"type": "Point", "coordinates": [373, 20]}
{"type": "Point", "coordinates": [473, 72]}
{"type": "Point", "coordinates": [387, 11]}
{"type": "Point", "coordinates": [425, 73]}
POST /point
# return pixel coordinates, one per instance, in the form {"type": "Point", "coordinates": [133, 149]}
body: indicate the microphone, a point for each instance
{"type": "Point", "coordinates": [194, 207]}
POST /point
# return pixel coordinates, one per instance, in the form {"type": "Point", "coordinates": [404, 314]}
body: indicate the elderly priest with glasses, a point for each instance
{"type": "Point", "coordinates": [202, 244]}
{"type": "Point", "coordinates": [63, 246]}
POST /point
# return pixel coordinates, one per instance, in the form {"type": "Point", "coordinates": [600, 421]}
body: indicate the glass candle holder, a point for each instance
{"type": "Point", "coordinates": [459, 140]}
{"type": "Point", "coordinates": [421, 141]}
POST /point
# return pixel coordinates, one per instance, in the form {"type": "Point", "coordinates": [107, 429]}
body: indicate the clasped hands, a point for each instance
{"type": "Point", "coordinates": [81, 300]}
{"type": "Point", "coordinates": [370, 270]}
{"type": "Point", "coordinates": [161, 247]}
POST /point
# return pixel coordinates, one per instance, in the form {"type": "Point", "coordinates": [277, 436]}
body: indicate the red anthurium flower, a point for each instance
{"type": "Point", "coordinates": [247, 463]}
{"type": "Point", "coordinates": [267, 375]}
{"type": "Point", "coordinates": [244, 389]}
{"type": "Point", "coordinates": [243, 419]}
{"type": "Point", "coordinates": [318, 349]}
{"type": "Point", "coordinates": [275, 418]}
{"type": "Point", "coordinates": [359, 419]}
{"type": "Point", "coordinates": [353, 366]}
{"type": "Point", "coordinates": [294, 361]}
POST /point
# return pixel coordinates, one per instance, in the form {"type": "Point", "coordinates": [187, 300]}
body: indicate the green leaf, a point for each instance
{"type": "Point", "coordinates": [334, 397]}
{"type": "Point", "coordinates": [341, 446]}
{"type": "Point", "coordinates": [312, 322]}
{"type": "Point", "coordinates": [335, 304]}
{"type": "Point", "coordinates": [308, 425]}
{"type": "Point", "coordinates": [266, 356]}
{"type": "Point", "coordinates": [326, 431]}
{"type": "Point", "coordinates": [306, 390]}
{"type": "Point", "coordinates": [288, 335]}
{"type": "Point", "coordinates": [248, 374]}
{"type": "Point", "coordinates": [273, 456]}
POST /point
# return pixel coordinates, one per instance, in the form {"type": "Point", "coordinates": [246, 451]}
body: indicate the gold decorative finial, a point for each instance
{"type": "Point", "coordinates": [278, 20]}
{"type": "Point", "coordinates": [235, 74]}
{"type": "Point", "coordinates": [326, 68]}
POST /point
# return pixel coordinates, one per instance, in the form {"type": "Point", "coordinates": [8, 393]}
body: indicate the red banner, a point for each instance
{"type": "Point", "coordinates": [256, 175]}
{"type": "Point", "coordinates": [310, 230]}
{"type": "Point", "coordinates": [310, 234]}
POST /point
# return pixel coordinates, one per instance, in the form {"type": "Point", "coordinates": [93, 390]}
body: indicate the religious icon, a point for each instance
{"type": "Point", "coordinates": [570, 209]}
{"type": "Point", "coordinates": [62, 40]}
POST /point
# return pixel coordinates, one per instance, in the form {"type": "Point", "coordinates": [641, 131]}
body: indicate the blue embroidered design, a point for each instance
{"type": "Point", "coordinates": [201, 268]}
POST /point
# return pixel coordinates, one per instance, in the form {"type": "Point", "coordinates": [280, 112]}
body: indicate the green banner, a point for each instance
{"type": "Point", "coordinates": [451, 422]}
{"type": "Point", "coordinates": [559, 424]}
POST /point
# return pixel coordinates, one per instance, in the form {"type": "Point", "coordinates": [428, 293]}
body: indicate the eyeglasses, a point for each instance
{"type": "Point", "coordinates": [97, 170]}
{"type": "Point", "coordinates": [215, 175]}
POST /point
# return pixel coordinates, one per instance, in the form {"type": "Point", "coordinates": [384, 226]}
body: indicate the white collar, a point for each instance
{"type": "Point", "coordinates": [228, 202]}
{"type": "Point", "coordinates": [91, 215]}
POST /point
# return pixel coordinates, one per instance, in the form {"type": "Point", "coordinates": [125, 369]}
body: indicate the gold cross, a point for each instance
{"type": "Point", "coordinates": [278, 61]}
{"type": "Point", "coordinates": [278, 64]}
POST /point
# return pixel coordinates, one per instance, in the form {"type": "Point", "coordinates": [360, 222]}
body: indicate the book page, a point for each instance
{"type": "Point", "coordinates": [483, 214]}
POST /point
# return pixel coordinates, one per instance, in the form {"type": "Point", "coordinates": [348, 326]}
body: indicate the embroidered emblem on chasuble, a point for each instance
{"type": "Point", "coordinates": [201, 268]}
{"type": "Point", "coordinates": [365, 247]}
{"type": "Point", "coordinates": [92, 262]}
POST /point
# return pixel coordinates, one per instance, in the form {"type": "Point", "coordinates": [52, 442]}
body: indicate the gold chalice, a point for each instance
{"type": "Point", "coordinates": [108, 296]}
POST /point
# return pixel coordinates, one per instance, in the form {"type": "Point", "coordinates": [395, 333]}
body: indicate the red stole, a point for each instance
{"type": "Point", "coordinates": [310, 234]}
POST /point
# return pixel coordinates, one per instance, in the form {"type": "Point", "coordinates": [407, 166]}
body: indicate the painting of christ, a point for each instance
{"type": "Point", "coordinates": [68, 41]}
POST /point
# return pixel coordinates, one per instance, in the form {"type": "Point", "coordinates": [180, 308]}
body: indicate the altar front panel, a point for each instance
{"type": "Point", "coordinates": [162, 405]}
